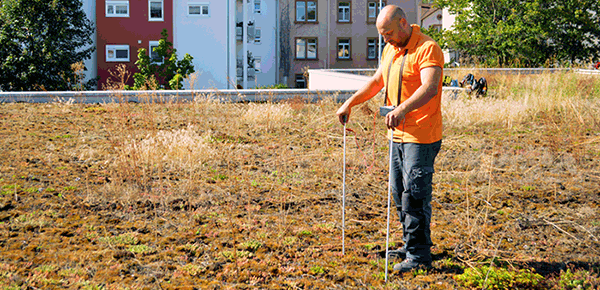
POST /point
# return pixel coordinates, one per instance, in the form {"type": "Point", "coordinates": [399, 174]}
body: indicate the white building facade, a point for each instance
{"type": "Point", "coordinates": [89, 7]}
{"type": "Point", "coordinates": [257, 43]}
{"type": "Point", "coordinates": [450, 55]}
{"type": "Point", "coordinates": [441, 19]}
{"type": "Point", "coordinates": [220, 35]}
{"type": "Point", "coordinates": [202, 29]}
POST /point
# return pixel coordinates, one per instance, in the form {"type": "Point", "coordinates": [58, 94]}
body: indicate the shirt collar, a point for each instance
{"type": "Point", "coordinates": [414, 38]}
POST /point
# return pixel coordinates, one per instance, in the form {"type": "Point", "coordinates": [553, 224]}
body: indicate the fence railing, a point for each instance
{"type": "Point", "coordinates": [174, 96]}
{"type": "Point", "coordinates": [371, 71]}
{"type": "Point", "coordinates": [321, 79]}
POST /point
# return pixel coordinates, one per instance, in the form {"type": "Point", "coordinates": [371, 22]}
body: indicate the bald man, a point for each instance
{"type": "Point", "coordinates": [415, 124]}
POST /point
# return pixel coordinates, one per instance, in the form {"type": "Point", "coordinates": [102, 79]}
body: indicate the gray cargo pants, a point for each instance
{"type": "Point", "coordinates": [412, 171]}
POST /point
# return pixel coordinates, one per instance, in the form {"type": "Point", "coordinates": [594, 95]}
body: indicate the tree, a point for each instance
{"type": "Point", "coordinates": [40, 42]}
{"type": "Point", "coordinates": [574, 29]}
{"type": "Point", "coordinates": [168, 73]}
{"type": "Point", "coordinates": [524, 33]}
{"type": "Point", "coordinates": [435, 34]}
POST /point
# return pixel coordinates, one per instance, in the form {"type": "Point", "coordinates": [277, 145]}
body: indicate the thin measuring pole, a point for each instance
{"type": "Point", "coordinates": [344, 194]}
{"type": "Point", "coordinates": [387, 234]}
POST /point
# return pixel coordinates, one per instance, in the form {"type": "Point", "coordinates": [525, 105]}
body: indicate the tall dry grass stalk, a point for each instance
{"type": "Point", "coordinates": [267, 114]}
{"type": "Point", "coordinates": [532, 120]}
{"type": "Point", "coordinates": [182, 150]}
{"type": "Point", "coordinates": [518, 98]}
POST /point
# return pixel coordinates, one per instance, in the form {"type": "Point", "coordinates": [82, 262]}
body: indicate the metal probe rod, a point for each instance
{"type": "Point", "coordinates": [387, 234]}
{"type": "Point", "coordinates": [344, 193]}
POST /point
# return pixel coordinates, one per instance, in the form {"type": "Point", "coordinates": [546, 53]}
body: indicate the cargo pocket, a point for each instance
{"type": "Point", "coordinates": [420, 182]}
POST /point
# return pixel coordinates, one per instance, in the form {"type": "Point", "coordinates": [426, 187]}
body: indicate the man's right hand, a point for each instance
{"type": "Point", "coordinates": [343, 114]}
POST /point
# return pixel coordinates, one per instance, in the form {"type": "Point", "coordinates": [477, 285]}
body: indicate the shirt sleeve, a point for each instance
{"type": "Point", "coordinates": [431, 55]}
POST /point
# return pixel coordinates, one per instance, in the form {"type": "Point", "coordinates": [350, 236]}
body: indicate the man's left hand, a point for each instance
{"type": "Point", "coordinates": [394, 118]}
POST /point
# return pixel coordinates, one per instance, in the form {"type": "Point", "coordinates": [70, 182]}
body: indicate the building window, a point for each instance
{"type": "Point", "coordinates": [156, 10]}
{"type": "Point", "coordinates": [343, 11]}
{"type": "Point", "coordinates": [198, 9]}
{"type": "Point", "coordinates": [306, 11]}
{"type": "Point", "coordinates": [257, 7]}
{"type": "Point", "coordinates": [154, 57]}
{"type": "Point", "coordinates": [372, 52]}
{"type": "Point", "coordinates": [117, 8]}
{"type": "Point", "coordinates": [300, 81]}
{"type": "Point", "coordinates": [117, 53]}
{"type": "Point", "coordinates": [344, 48]}
{"type": "Point", "coordinates": [306, 48]}
{"type": "Point", "coordinates": [257, 60]}
{"type": "Point", "coordinates": [372, 49]}
{"type": "Point", "coordinates": [373, 10]}
{"type": "Point", "coordinates": [257, 35]}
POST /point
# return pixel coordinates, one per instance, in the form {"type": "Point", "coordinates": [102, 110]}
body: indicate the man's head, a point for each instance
{"type": "Point", "coordinates": [393, 26]}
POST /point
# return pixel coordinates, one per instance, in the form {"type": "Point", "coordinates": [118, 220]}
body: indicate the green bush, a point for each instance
{"type": "Point", "coordinates": [275, 86]}
{"type": "Point", "coordinates": [166, 74]}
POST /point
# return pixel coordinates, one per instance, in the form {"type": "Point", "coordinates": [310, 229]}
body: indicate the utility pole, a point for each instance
{"type": "Point", "coordinates": [245, 44]}
{"type": "Point", "coordinates": [380, 37]}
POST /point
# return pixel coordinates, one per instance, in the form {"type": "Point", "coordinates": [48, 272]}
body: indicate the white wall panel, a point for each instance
{"type": "Point", "coordinates": [206, 39]}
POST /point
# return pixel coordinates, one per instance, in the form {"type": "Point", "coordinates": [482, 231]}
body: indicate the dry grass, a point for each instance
{"type": "Point", "coordinates": [219, 195]}
{"type": "Point", "coordinates": [518, 98]}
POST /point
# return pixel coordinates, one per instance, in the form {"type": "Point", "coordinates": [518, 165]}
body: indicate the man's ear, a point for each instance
{"type": "Point", "coordinates": [404, 23]}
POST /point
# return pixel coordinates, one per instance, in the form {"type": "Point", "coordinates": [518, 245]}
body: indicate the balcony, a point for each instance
{"type": "Point", "coordinates": [239, 35]}
{"type": "Point", "coordinates": [251, 71]}
{"type": "Point", "coordinates": [239, 31]}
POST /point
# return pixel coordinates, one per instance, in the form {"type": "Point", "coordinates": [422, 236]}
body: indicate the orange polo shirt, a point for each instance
{"type": "Point", "coordinates": [423, 125]}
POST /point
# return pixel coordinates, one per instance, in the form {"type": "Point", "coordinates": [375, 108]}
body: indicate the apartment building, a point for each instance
{"type": "Point", "coordinates": [431, 16]}
{"type": "Point", "coordinates": [332, 34]}
{"type": "Point", "coordinates": [123, 27]}
{"type": "Point", "coordinates": [233, 42]}
{"type": "Point", "coordinates": [241, 43]}
{"type": "Point", "coordinates": [256, 43]}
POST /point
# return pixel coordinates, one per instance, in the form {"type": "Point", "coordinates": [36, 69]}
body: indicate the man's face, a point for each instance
{"type": "Point", "coordinates": [394, 32]}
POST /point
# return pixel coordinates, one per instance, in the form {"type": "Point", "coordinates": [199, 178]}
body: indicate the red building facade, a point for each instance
{"type": "Point", "coordinates": [123, 27]}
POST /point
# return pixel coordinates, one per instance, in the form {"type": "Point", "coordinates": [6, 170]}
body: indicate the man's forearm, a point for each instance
{"type": "Point", "coordinates": [421, 97]}
{"type": "Point", "coordinates": [368, 91]}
